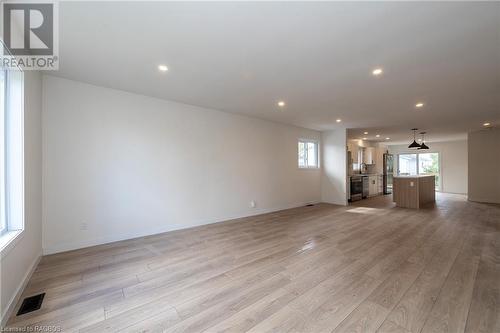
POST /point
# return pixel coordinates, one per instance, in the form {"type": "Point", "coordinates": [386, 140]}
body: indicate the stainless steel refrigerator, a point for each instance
{"type": "Point", "coordinates": [388, 173]}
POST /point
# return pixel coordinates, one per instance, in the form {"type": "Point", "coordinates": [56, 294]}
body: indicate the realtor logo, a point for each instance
{"type": "Point", "coordinates": [29, 35]}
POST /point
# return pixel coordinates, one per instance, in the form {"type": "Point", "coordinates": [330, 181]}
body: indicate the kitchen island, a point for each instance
{"type": "Point", "coordinates": [413, 191]}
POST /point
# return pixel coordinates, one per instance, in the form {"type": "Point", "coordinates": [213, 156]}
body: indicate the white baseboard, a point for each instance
{"type": "Point", "coordinates": [62, 247]}
{"type": "Point", "coordinates": [447, 192]}
{"type": "Point", "coordinates": [19, 291]}
{"type": "Point", "coordinates": [338, 203]}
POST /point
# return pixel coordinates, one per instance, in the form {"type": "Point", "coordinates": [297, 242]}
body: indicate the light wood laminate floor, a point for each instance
{"type": "Point", "coordinates": [363, 268]}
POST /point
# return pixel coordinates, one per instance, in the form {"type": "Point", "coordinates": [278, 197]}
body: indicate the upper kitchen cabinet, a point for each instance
{"type": "Point", "coordinates": [370, 154]}
{"type": "Point", "coordinates": [365, 152]}
{"type": "Point", "coordinates": [354, 149]}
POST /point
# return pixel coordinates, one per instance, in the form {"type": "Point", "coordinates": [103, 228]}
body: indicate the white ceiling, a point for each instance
{"type": "Point", "coordinates": [318, 57]}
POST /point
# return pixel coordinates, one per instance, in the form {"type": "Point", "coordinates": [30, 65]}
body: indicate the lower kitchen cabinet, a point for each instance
{"type": "Point", "coordinates": [373, 188]}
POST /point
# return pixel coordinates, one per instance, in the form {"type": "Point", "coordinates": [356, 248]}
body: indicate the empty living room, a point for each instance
{"type": "Point", "coordinates": [267, 166]}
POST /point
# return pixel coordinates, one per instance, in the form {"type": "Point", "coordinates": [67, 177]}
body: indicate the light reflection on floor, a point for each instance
{"type": "Point", "coordinates": [309, 245]}
{"type": "Point", "coordinates": [367, 210]}
{"type": "Point", "coordinates": [372, 205]}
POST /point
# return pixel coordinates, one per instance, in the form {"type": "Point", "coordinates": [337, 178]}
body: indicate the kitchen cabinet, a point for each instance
{"type": "Point", "coordinates": [369, 155]}
{"type": "Point", "coordinates": [355, 155]}
{"type": "Point", "coordinates": [354, 149]}
{"type": "Point", "coordinates": [413, 191]}
{"type": "Point", "coordinates": [373, 185]}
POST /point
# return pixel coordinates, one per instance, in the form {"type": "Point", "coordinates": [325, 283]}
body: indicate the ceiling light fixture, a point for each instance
{"type": "Point", "coordinates": [365, 139]}
{"type": "Point", "coordinates": [281, 104]}
{"type": "Point", "coordinates": [423, 145]}
{"type": "Point", "coordinates": [365, 133]}
{"type": "Point", "coordinates": [387, 138]}
{"type": "Point", "coordinates": [419, 105]}
{"type": "Point", "coordinates": [377, 71]}
{"type": "Point", "coordinates": [377, 136]}
{"type": "Point", "coordinates": [414, 144]}
{"type": "Point", "coordinates": [338, 120]}
{"type": "Point", "coordinates": [486, 124]}
{"type": "Point", "coordinates": [163, 68]}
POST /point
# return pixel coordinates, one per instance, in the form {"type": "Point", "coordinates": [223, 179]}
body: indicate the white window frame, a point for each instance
{"type": "Point", "coordinates": [4, 227]}
{"type": "Point", "coordinates": [12, 166]}
{"type": "Point", "coordinates": [306, 141]}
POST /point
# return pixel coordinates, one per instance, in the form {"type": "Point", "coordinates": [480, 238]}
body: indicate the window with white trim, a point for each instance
{"type": "Point", "coordinates": [308, 154]}
{"type": "Point", "coordinates": [11, 153]}
{"type": "Point", "coordinates": [3, 197]}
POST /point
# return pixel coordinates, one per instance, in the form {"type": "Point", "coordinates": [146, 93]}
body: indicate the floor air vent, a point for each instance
{"type": "Point", "coordinates": [309, 205]}
{"type": "Point", "coordinates": [31, 303]}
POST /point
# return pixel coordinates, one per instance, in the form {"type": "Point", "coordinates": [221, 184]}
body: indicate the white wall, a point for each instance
{"type": "Point", "coordinates": [119, 165]}
{"type": "Point", "coordinates": [334, 167]}
{"type": "Point", "coordinates": [484, 162]}
{"type": "Point", "coordinates": [21, 257]}
{"type": "Point", "coordinates": [453, 156]}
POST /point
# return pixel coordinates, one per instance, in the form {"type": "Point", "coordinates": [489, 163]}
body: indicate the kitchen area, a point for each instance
{"type": "Point", "coordinates": [409, 173]}
{"type": "Point", "coordinates": [370, 169]}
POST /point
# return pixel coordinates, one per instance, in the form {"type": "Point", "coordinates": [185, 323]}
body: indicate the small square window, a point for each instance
{"type": "Point", "coordinates": [308, 154]}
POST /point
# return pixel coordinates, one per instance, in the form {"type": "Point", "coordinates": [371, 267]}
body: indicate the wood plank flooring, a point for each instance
{"type": "Point", "coordinates": [369, 267]}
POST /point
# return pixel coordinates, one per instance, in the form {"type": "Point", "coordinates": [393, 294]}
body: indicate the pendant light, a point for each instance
{"type": "Point", "coordinates": [423, 145]}
{"type": "Point", "coordinates": [414, 144]}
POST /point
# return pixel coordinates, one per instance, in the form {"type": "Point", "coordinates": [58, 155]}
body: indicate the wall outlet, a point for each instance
{"type": "Point", "coordinates": [253, 204]}
{"type": "Point", "coordinates": [83, 226]}
{"type": "Point", "coordinates": [412, 184]}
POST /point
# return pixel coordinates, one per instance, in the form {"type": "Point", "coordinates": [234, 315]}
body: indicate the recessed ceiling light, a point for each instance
{"type": "Point", "coordinates": [486, 124]}
{"type": "Point", "coordinates": [387, 138]}
{"type": "Point", "coordinates": [364, 138]}
{"type": "Point", "coordinates": [338, 120]}
{"type": "Point", "coordinates": [377, 71]}
{"type": "Point", "coordinates": [419, 105]}
{"type": "Point", "coordinates": [365, 133]}
{"type": "Point", "coordinates": [281, 104]}
{"type": "Point", "coordinates": [377, 136]}
{"type": "Point", "coordinates": [163, 68]}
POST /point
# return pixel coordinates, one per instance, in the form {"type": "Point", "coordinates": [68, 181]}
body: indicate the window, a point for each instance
{"type": "Point", "coordinates": [3, 201]}
{"type": "Point", "coordinates": [308, 154]}
{"type": "Point", "coordinates": [408, 164]}
{"type": "Point", "coordinates": [420, 164]}
{"type": "Point", "coordinates": [428, 164]}
{"type": "Point", "coordinates": [11, 154]}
